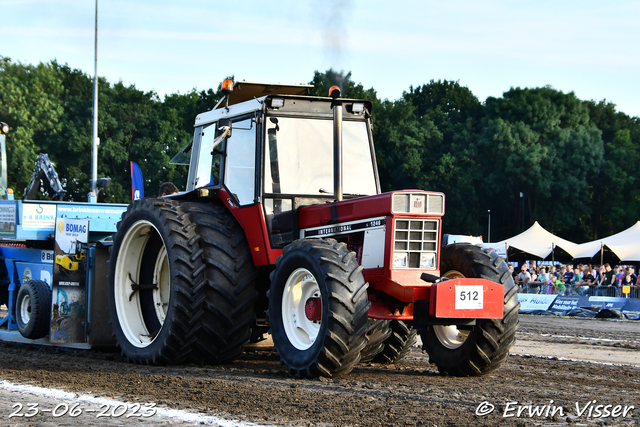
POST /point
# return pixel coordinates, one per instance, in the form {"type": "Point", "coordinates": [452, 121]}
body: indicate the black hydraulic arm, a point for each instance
{"type": "Point", "coordinates": [44, 169]}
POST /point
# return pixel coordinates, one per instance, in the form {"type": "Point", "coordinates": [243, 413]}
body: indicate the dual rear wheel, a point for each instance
{"type": "Point", "coordinates": [181, 283]}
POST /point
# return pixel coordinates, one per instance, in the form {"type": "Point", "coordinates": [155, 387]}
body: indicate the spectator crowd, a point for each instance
{"type": "Point", "coordinates": [582, 280]}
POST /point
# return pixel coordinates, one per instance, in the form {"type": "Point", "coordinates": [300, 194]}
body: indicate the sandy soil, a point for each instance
{"type": "Point", "coordinates": [258, 389]}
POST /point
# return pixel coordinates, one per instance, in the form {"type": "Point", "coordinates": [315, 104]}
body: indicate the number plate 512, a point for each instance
{"type": "Point", "coordinates": [469, 297]}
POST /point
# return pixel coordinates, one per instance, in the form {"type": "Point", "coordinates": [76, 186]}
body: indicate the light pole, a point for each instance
{"type": "Point", "coordinates": [93, 195]}
{"type": "Point", "coordinates": [489, 228]}
{"type": "Point", "coordinates": [4, 129]}
{"type": "Point", "coordinates": [522, 197]}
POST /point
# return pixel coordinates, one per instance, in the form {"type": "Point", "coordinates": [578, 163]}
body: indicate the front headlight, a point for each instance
{"type": "Point", "coordinates": [427, 260]}
{"type": "Point", "coordinates": [400, 259]}
{"type": "Point", "coordinates": [415, 243]}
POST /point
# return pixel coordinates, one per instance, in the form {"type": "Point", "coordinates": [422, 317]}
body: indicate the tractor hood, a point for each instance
{"type": "Point", "coordinates": [396, 203]}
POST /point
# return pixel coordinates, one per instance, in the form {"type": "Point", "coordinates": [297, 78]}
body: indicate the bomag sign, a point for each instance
{"type": "Point", "coordinates": [72, 229]}
{"type": "Point", "coordinates": [68, 315]}
{"type": "Point", "coordinates": [76, 228]}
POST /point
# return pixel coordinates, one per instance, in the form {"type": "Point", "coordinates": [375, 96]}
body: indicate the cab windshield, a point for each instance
{"type": "Point", "coordinates": [299, 157]}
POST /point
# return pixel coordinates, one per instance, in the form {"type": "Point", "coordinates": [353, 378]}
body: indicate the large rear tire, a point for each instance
{"type": "Point", "coordinates": [318, 308]}
{"type": "Point", "coordinates": [33, 309]}
{"type": "Point", "coordinates": [482, 348]}
{"type": "Point", "coordinates": [181, 283]}
{"type": "Point", "coordinates": [155, 264]}
{"type": "Point", "coordinates": [223, 304]}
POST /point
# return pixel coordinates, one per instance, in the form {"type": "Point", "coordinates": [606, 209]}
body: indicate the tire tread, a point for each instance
{"type": "Point", "coordinates": [348, 308]}
{"type": "Point", "coordinates": [487, 346]}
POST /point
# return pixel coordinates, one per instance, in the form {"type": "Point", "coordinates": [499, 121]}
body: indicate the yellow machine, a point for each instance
{"type": "Point", "coordinates": [73, 261]}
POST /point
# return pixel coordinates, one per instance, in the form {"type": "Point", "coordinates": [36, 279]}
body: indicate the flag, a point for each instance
{"type": "Point", "coordinates": [137, 184]}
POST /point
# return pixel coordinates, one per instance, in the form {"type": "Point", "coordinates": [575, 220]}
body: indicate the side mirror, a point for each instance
{"type": "Point", "coordinates": [103, 182]}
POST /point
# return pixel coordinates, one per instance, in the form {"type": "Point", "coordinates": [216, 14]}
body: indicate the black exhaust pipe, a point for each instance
{"type": "Point", "coordinates": [334, 92]}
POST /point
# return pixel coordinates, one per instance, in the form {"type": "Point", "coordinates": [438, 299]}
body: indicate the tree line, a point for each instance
{"type": "Point", "coordinates": [534, 154]}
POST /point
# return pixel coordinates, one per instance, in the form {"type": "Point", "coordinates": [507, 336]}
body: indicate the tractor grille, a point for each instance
{"type": "Point", "coordinates": [418, 203]}
{"type": "Point", "coordinates": [415, 243]}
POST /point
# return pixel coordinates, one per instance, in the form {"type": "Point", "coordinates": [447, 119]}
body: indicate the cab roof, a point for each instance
{"type": "Point", "coordinates": [246, 91]}
{"type": "Point", "coordinates": [250, 96]}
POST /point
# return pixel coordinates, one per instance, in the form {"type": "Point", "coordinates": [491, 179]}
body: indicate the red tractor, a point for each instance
{"type": "Point", "coordinates": [283, 229]}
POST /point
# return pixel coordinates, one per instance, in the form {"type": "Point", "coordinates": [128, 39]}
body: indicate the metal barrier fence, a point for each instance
{"type": "Point", "coordinates": [582, 290]}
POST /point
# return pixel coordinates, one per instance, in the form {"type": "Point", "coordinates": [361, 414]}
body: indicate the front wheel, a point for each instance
{"type": "Point", "coordinates": [479, 349]}
{"type": "Point", "coordinates": [318, 308]}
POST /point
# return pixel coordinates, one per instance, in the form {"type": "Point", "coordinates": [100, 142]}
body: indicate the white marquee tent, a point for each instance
{"type": "Point", "coordinates": [625, 245]}
{"type": "Point", "coordinates": [539, 243]}
{"type": "Point", "coordinates": [535, 241]}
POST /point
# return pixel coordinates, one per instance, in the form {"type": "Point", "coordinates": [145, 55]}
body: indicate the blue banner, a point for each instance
{"type": "Point", "coordinates": [577, 305]}
{"type": "Point", "coordinates": [567, 303]}
{"type": "Point", "coordinates": [608, 302]}
{"type": "Point", "coordinates": [632, 309]}
{"type": "Point", "coordinates": [137, 183]}
{"type": "Point", "coordinates": [532, 302]}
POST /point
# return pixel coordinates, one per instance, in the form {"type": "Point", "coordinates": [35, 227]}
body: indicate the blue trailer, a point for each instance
{"type": "Point", "coordinates": [63, 297]}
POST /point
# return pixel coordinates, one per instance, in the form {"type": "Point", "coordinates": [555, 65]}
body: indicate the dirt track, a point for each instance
{"type": "Point", "coordinates": [258, 389]}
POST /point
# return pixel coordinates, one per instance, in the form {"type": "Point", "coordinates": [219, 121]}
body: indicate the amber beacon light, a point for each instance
{"type": "Point", "coordinates": [227, 86]}
{"type": "Point", "coordinates": [334, 92]}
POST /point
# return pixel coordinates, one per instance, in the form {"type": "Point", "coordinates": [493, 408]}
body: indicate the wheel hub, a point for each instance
{"type": "Point", "coordinates": [301, 309]}
{"type": "Point", "coordinates": [449, 335]}
{"type": "Point", "coordinates": [313, 309]}
{"type": "Point", "coordinates": [25, 309]}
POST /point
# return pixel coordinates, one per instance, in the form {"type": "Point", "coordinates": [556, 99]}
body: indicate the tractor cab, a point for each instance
{"type": "Point", "coordinates": [277, 151]}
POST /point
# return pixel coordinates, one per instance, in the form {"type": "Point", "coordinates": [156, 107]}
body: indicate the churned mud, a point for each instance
{"type": "Point", "coordinates": [536, 386]}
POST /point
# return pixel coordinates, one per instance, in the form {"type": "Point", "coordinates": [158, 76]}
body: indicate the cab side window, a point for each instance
{"type": "Point", "coordinates": [240, 165]}
{"type": "Point", "coordinates": [210, 156]}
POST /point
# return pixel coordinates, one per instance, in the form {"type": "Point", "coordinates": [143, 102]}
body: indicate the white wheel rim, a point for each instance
{"type": "Point", "coordinates": [129, 312]}
{"type": "Point", "coordinates": [301, 332]}
{"type": "Point", "coordinates": [161, 295]}
{"type": "Point", "coordinates": [25, 309]}
{"type": "Point", "coordinates": [449, 335]}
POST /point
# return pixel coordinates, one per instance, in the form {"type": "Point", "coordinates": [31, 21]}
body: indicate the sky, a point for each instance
{"type": "Point", "coordinates": [589, 47]}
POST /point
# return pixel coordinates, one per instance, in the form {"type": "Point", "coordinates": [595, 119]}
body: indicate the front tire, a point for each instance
{"type": "Point", "coordinates": [318, 307]}
{"type": "Point", "coordinates": [33, 309]}
{"type": "Point", "coordinates": [482, 348]}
